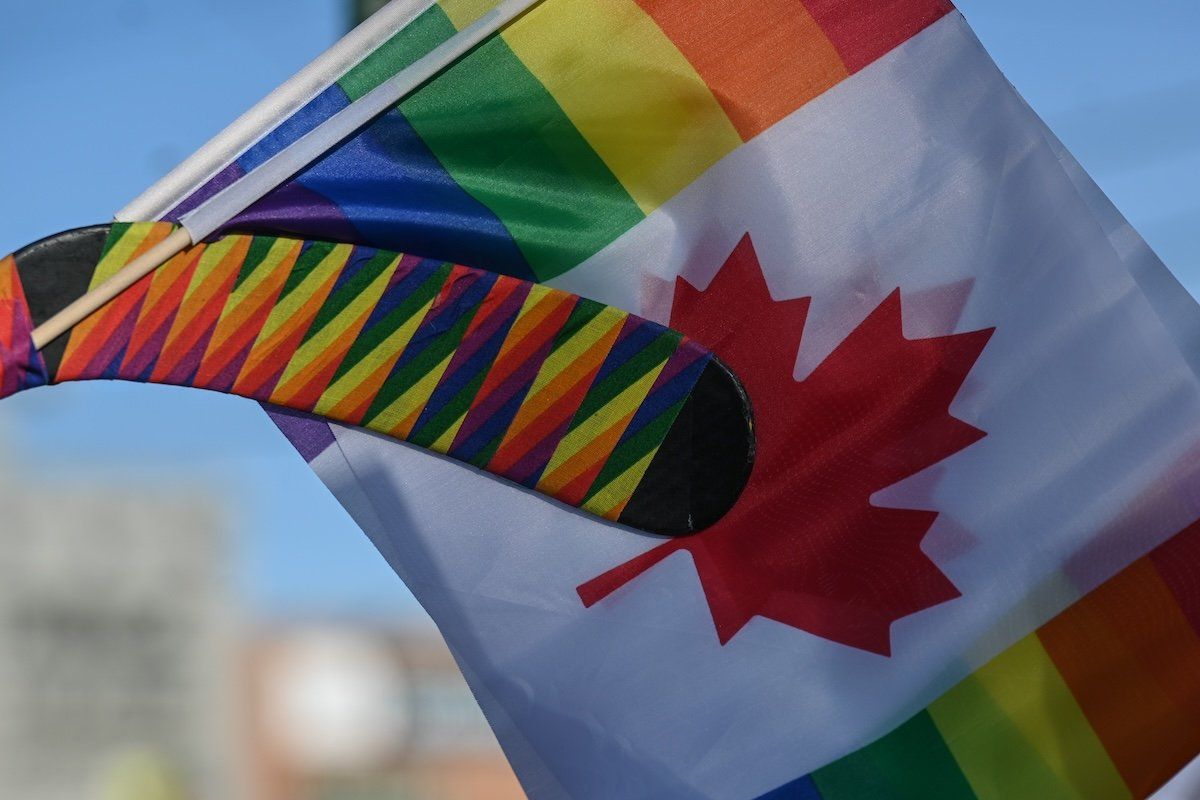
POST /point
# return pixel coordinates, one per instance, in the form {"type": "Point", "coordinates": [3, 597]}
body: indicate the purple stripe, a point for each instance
{"type": "Point", "coordinates": [224, 178]}
{"type": "Point", "coordinates": [107, 360]}
{"type": "Point", "coordinates": [487, 416]}
{"type": "Point", "coordinates": [528, 471]}
{"type": "Point", "coordinates": [295, 209]}
{"type": "Point", "coordinates": [476, 354]}
{"type": "Point", "coordinates": [138, 366]}
{"type": "Point", "coordinates": [223, 381]}
{"type": "Point", "coordinates": [502, 317]}
{"type": "Point", "coordinates": [185, 371]}
{"type": "Point", "coordinates": [310, 435]}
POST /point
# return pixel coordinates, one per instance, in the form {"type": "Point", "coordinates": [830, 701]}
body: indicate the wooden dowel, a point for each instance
{"type": "Point", "coordinates": [97, 298]}
{"type": "Point", "coordinates": [212, 214]}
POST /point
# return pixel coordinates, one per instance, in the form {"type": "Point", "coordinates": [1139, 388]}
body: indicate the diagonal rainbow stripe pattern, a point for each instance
{"type": "Point", "coordinates": [1101, 702]}
{"type": "Point", "coordinates": [608, 107]}
{"type": "Point", "coordinates": [561, 394]}
{"type": "Point", "coordinates": [20, 365]}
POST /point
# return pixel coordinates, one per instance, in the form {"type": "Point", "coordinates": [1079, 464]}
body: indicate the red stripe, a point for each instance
{"type": "Point", "coordinates": [154, 322]}
{"type": "Point", "coordinates": [1178, 562]}
{"type": "Point", "coordinates": [866, 30]}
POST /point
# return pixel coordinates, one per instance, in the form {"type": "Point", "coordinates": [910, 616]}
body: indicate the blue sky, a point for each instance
{"type": "Point", "coordinates": [100, 97]}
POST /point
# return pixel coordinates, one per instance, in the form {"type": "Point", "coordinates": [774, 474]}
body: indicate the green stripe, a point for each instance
{"type": "Point", "coordinates": [635, 448]}
{"type": "Point", "coordinates": [260, 248]}
{"type": "Point", "coordinates": [624, 376]}
{"type": "Point", "coordinates": [484, 456]}
{"type": "Point", "coordinates": [407, 376]}
{"type": "Point", "coordinates": [350, 291]}
{"type": "Point", "coordinates": [458, 405]}
{"type": "Point", "coordinates": [415, 40]}
{"type": "Point", "coordinates": [373, 335]}
{"type": "Point", "coordinates": [505, 140]}
{"type": "Point", "coordinates": [999, 761]}
{"type": "Point", "coordinates": [910, 763]}
{"type": "Point", "coordinates": [115, 234]}
{"type": "Point", "coordinates": [584, 312]}
{"type": "Point", "coordinates": [310, 258]}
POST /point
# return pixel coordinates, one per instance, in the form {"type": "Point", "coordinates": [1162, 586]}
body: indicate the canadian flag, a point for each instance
{"type": "Point", "coordinates": [970, 386]}
{"type": "Point", "coordinates": [977, 413]}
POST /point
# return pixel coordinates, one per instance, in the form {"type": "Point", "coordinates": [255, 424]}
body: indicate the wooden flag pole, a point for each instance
{"type": "Point", "coordinates": [208, 218]}
{"type": "Point", "coordinates": [94, 300]}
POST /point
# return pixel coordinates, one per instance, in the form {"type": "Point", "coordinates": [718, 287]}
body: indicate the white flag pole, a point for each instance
{"type": "Point", "coordinates": [209, 216]}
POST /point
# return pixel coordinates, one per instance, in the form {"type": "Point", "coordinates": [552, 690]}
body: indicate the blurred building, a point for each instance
{"type": "Point", "coordinates": [117, 660]}
{"type": "Point", "coordinates": [345, 712]}
{"type": "Point", "coordinates": [131, 670]}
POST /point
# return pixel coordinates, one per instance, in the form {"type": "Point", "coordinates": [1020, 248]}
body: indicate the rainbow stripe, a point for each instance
{"type": "Point", "coordinates": [559, 393]}
{"type": "Point", "coordinates": [20, 365]}
{"type": "Point", "coordinates": [1101, 702]}
{"type": "Point", "coordinates": [608, 107]}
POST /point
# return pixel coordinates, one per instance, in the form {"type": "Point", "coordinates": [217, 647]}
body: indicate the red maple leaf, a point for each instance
{"type": "Point", "coordinates": [804, 545]}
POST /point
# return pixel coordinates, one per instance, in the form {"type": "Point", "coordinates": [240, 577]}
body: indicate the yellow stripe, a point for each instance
{"type": "Point", "coordinates": [303, 294]}
{"type": "Point", "coordinates": [164, 277]}
{"type": "Point", "coordinates": [392, 420]}
{"type": "Point", "coordinates": [251, 288]}
{"type": "Point", "coordinates": [570, 354]}
{"type": "Point", "coordinates": [1029, 689]}
{"type": "Point", "coordinates": [388, 350]}
{"type": "Point", "coordinates": [316, 346]}
{"type": "Point", "coordinates": [464, 12]}
{"type": "Point", "coordinates": [1015, 729]}
{"type": "Point", "coordinates": [620, 407]}
{"type": "Point", "coordinates": [532, 314]}
{"type": "Point", "coordinates": [630, 92]}
{"type": "Point", "coordinates": [444, 442]}
{"type": "Point", "coordinates": [580, 343]}
{"type": "Point", "coordinates": [610, 501]}
{"type": "Point", "coordinates": [191, 305]}
{"type": "Point", "coordinates": [121, 253]}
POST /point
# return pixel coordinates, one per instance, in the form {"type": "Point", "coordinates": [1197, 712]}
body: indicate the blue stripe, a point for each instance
{"type": "Point", "coordinates": [633, 342]}
{"type": "Point", "coordinates": [666, 396]}
{"type": "Point", "coordinates": [389, 186]}
{"type": "Point", "coordinates": [319, 109]}
{"type": "Point", "coordinates": [465, 296]}
{"type": "Point", "coordinates": [399, 292]}
{"type": "Point", "coordinates": [480, 361]}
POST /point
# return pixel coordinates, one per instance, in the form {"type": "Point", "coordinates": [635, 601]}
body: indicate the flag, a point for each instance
{"type": "Point", "coordinates": [962, 564]}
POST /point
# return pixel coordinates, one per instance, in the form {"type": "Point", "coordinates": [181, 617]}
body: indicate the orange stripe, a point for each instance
{"type": "Point", "coordinates": [532, 332]}
{"type": "Point", "coordinates": [246, 324]}
{"type": "Point", "coordinates": [162, 301]}
{"type": "Point", "coordinates": [200, 310]}
{"type": "Point", "coordinates": [90, 335]}
{"type": "Point", "coordinates": [585, 465]}
{"type": "Point", "coordinates": [1132, 662]}
{"type": "Point", "coordinates": [249, 322]}
{"type": "Point", "coordinates": [355, 405]}
{"type": "Point", "coordinates": [528, 334]}
{"type": "Point", "coordinates": [268, 359]}
{"type": "Point", "coordinates": [762, 60]}
{"type": "Point", "coordinates": [315, 377]}
{"type": "Point", "coordinates": [554, 405]}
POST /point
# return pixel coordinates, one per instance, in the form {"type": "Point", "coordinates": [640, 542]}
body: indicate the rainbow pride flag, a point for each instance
{"type": "Point", "coordinates": [1101, 701]}
{"type": "Point", "coordinates": [573, 139]}
{"type": "Point", "coordinates": [957, 569]}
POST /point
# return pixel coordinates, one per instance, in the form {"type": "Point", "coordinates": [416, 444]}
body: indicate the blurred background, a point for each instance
{"type": "Point", "coordinates": [185, 612]}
